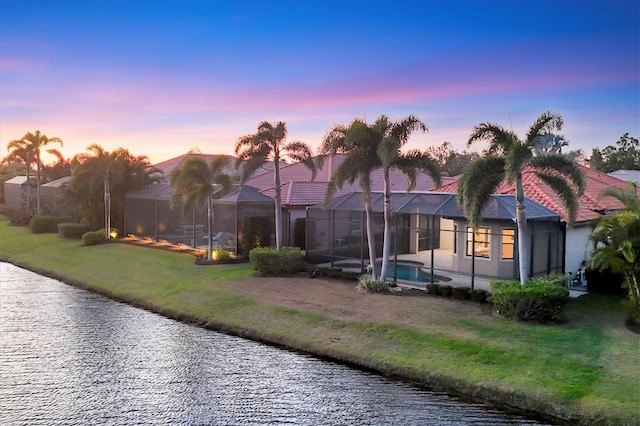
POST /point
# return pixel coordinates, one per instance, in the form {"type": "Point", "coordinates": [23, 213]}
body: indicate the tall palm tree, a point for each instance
{"type": "Point", "coordinates": [194, 182]}
{"type": "Point", "coordinates": [505, 159]}
{"type": "Point", "coordinates": [99, 181]}
{"type": "Point", "coordinates": [371, 147]}
{"type": "Point", "coordinates": [392, 136]}
{"type": "Point", "coordinates": [359, 144]}
{"type": "Point", "coordinates": [269, 144]}
{"type": "Point", "coordinates": [36, 142]}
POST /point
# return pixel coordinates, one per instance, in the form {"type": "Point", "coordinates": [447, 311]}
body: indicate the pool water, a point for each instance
{"type": "Point", "coordinates": [404, 272]}
{"type": "Point", "coordinates": [410, 273]}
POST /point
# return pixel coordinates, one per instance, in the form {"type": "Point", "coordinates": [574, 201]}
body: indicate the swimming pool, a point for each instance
{"type": "Point", "coordinates": [402, 271]}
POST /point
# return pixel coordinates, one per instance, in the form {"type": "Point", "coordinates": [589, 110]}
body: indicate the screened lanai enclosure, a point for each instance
{"type": "Point", "coordinates": [148, 214]}
{"type": "Point", "coordinates": [431, 240]}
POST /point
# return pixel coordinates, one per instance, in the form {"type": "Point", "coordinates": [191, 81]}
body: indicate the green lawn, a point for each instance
{"type": "Point", "coordinates": [586, 370]}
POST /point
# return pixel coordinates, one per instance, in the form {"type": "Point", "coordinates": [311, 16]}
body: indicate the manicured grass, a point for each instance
{"type": "Point", "coordinates": [586, 370]}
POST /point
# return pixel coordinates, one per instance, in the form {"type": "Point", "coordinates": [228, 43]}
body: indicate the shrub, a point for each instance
{"type": "Point", "coordinates": [47, 223]}
{"type": "Point", "coordinates": [72, 230]}
{"type": "Point", "coordinates": [445, 290]}
{"type": "Point", "coordinates": [479, 295]}
{"type": "Point", "coordinates": [461, 293]}
{"type": "Point", "coordinates": [367, 284]}
{"type": "Point", "coordinates": [94, 237]}
{"type": "Point", "coordinates": [219, 254]}
{"type": "Point", "coordinates": [541, 299]}
{"type": "Point", "coordinates": [269, 261]}
{"type": "Point", "coordinates": [433, 288]}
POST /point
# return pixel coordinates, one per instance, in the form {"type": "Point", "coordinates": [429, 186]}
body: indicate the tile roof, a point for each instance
{"type": "Point", "coordinates": [589, 208]}
{"type": "Point", "coordinates": [167, 166]}
{"type": "Point", "coordinates": [298, 189]}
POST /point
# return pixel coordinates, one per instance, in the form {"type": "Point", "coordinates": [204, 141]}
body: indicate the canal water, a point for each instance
{"type": "Point", "coordinates": [71, 357]}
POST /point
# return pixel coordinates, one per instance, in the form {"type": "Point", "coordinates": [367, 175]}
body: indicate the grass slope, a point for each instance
{"type": "Point", "coordinates": [584, 371]}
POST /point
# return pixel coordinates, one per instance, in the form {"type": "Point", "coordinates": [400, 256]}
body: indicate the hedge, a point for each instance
{"type": "Point", "coordinates": [541, 299]}
{"type": "Point", "coordinates": [47, 223]}
{"type": "Point", "coordinates": [72, 230]}
{"type": "Point", "coordinates": [269, 261]}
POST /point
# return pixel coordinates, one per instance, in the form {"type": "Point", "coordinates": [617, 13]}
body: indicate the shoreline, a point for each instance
{"type": "Point", "coordinates": [581, 372]}
{"type": "Point", "coordinates": [490, 397]}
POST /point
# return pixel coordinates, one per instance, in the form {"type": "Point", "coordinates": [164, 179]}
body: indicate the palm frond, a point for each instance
{"type": "Point", "coordinates": [515, 158]}
{"type": "Point", "coordinates": [562, 166]}
{"type": "Point", "coordinates": [627, 195]}
{"type": "Point", "coordinates": [479, 181]}
{"type": "Point", "coordinates": [500, 140]}
{"type": "Point", "coordinates": [564, 191]}
{"type": "Point", "coordinates": [548, 122]}
{"type": "Point", "coordinates": [415, 160]}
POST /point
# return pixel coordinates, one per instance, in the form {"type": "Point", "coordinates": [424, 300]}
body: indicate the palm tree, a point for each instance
{"type": "Point", "coordinates": [392, 136]}
{"type": "Point", "coordinates": [360, 146]}
{"type": "Point", "coordinates": [194, 182]}
{"type": "Point", "coordinates": [369, 147]}
{"type": "Point", "coordinates": [35, 142]}
{"type": "Point", "coordinates": [99, 181]}
{"type": "Point", "coordinates": [505, 159]}
{"type": "Point", "coordinates": [617, 240]}
{"type": "Point", "coordinates": [269, 144]}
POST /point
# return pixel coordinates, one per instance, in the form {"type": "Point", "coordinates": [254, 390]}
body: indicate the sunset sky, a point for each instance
{"type": "Point", "coordinates": [162, 77]}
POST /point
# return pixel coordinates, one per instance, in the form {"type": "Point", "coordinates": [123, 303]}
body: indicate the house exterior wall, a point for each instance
{"type": "Point", "coordinates": [14, 194]}
{"type": "Point", "coordinates": [493, 266]}
{"type": "Point", "coordinates": [578, 247]}
{"type": "Point", "coordinates": [446, 234]}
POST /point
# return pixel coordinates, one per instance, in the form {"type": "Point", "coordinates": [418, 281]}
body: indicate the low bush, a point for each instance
{"type": "Point", "coordinates": [337, 273]}
{"type": "Point", "coordinates": [460, 293]}
{"type": "Point", "coordinates": [433, 289]}
{"type": "Point", "coordinates": [93, 237]}
{"type": "Point", "coordinates": [541, 299]}
{"type": "Point", "coordinates": [445, 290]}
{"type": "Point", "coordinates": [269, 261]}
{"type": "Point", "coordinates": [72, 230]}
{"type": "Point", "coordinates": [367, 284]}
{"type": "Point", "coordinates": [479, 295]}
{"type": "Point", "coordinates": [47, 223]}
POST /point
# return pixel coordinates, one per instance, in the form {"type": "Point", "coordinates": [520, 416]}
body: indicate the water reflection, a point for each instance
{"type": "Point", "coordinates": [72, 357]}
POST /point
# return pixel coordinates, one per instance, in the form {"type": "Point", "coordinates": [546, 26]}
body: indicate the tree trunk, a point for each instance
{"type": "Point", "coordinates": [38, 212]}
{"type": "Point", "coordinates": [209, 228]}
{"type": "Point", "coordinates": [107, 208]}
{"type": "Point", "coordinates": [386, 243]}
{"type": "Point", "coordinates": [278, 213]}
{"type": "Point", "coordinates": [368, 208]}
{"type": "Point", "coordinates": [523, 237]}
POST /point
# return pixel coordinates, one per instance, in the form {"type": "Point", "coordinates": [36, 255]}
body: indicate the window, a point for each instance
{"type": "Point", "coordinates": [508, 243]}
{"type": "Point", "coordinates": [479, 243]}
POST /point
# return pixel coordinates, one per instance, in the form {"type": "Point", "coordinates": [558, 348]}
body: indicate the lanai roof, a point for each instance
{"type": "Point", "coordinates": [501, 207]}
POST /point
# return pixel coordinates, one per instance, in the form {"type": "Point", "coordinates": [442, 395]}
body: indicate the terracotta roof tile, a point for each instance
{"type": "Point", "coordinates": [588, 207]}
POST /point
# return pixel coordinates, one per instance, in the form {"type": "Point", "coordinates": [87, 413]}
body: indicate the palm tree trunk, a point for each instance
{"type": "Point", "coordinates": [107, 208]}
{"type": "Point", "coordinates": [278, 213]}
{"type": "Point", "coordinates": [386, 243]}
{"type": "Point", "coordinates": [38, 212]}
{"type": "Point", "coordinates": [523, 237]}
{"type": "Point", "coordinates": [209, 228]}
{"type": "Point", "coordinates": [368, 208]}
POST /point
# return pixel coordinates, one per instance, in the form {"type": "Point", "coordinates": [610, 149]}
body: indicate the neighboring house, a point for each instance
{"type": "Point", "coordinates": [51, 198]}
{"type": "Point", "coordinates": [590, 209]}
{"type": "Point", "coordinates": [628, 175]}
{"type": "Point", "coordinates": [17, 193]}
{"type": "Point", "coordinates": [299, 191]}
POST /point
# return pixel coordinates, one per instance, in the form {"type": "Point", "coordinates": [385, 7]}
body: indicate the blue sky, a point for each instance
{"type": "Point", "coordinates": [161, 77]}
